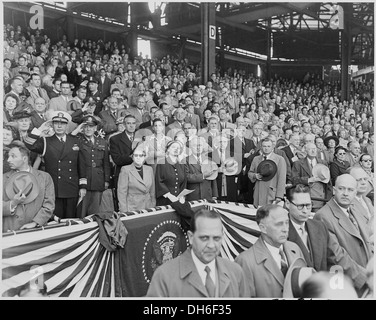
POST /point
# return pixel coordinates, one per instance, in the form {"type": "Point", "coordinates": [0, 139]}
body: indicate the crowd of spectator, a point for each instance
{"type": "Point", "coordinates": [135, 132]}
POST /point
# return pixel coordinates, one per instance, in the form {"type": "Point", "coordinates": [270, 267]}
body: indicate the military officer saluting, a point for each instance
{"type": "Point", "coordinates": [62, 161]}
{"type": "Point", "coordinates": [94, 151]}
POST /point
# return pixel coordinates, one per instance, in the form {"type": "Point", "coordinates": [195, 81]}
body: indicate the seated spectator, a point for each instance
{"type": "Point", "coordinates": [339, 164]}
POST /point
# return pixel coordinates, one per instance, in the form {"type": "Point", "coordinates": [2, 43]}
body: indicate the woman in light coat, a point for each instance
{"type": "Point", "coordinates": [136, 186]}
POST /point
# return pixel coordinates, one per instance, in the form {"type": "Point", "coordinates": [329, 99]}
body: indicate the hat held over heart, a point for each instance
{"type": "Point", "coordinates": [210, 166]}
{"type": "Point", "coordinates": [267, 168]}
{"type": "Point", "coordinates": [322, 172]}
{"type": "Point", "coordinates": [25, 182]}
{"type": "Point", "coordinates": [297, 273]}
{"type": "Point", "coordinates": [230, 167]}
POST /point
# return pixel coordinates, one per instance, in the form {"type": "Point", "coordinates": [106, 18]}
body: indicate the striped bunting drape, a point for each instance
{"type": "Point", "coordinates": [240, 228]}
{"type": "Point", "coordinates": [74, 264]}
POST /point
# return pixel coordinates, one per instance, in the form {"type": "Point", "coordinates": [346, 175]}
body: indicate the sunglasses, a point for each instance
{"type": "Point", "coordinates": [367, 160]}
{"type": "Point", "coordinates": [341, 154]}
{"type": "Point", "coordinates": [138, 155]}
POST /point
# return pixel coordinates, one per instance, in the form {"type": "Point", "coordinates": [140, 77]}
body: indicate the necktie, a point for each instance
{"type": "Point", "coordinates": [209, 284]}
{"type": "Point", "coordinates": [304, 236]}
{"type": "Point", "coordinates": [62, 140]}
{"type": "Point", "coordinates": [265, 157]}
{"type": "Point", "coordinates": [131, 138]}
{"type": "Point", "coordinates": [352, 219]}
{"type": "Point", "coordinates": [284, 266]}
{"type": "Point", "coordinates": [40, 92]}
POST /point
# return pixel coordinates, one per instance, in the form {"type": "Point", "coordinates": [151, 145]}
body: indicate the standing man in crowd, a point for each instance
{"type": "Point", "coordinates": [95, 154]}
{"type": "Point", "coordinates": [121, 150]}
{"type": "Point", "coordinates": [62, 162]}
{"type": "Point", "coordinates": [269, 185]}
{"type": "Point", "coordinates": [200, 271]}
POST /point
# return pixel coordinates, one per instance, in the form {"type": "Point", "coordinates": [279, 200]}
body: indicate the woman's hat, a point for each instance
{"type": "Point", "coordinates": [267, 169]}
{"type": "Point", "coordinates": [326, 140]}
{"type": "Point", "coordinates": [230, 167]}
{"type": "Point", "coordinates": [208, 166]}
{"type": "Point", "coordinates": [322, 172]}
{"type": "Point", "coordinates": [25, 182]}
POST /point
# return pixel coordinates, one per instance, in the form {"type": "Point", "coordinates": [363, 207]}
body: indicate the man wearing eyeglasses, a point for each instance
{"type": "Point", "coordinates": [310, 235]}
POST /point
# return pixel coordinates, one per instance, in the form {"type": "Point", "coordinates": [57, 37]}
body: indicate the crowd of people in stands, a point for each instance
{"type": "Point", "coordinates": [123, 133]}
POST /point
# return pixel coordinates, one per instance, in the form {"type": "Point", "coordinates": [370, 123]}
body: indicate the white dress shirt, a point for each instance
{"type": "Point", "coordinates": [200, 266]}
{"type": "Point", "coordinates": [275, 253]}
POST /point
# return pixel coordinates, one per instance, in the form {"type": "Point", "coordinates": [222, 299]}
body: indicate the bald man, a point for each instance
{"type": "Point", "coordinates": [348, 231]}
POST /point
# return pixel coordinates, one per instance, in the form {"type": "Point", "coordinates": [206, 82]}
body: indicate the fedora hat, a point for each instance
{"type": "Point", "coordinates": [25, 182]}
{"type": "Point", "coordinates": [322, 172]}
{"type": "Point", "coordinates": [267, 168]}
{"type": "Point", "coordinates": [297, 273]}
{"type": "Point", "coordinates": [230, 167]}
{"type": "Point", "coordinates": [208, 166]}
{"type": "Point", "coordinates": [326, 140]}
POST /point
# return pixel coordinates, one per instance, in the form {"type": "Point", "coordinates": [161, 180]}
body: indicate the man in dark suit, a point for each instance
{"type": "Point", "coordinates": [310, 235]}
{"type": "Point", "coordinates": [192, 273]}
{"type": "Point", "coordinates": [348, 231]}
{"type": "Point", "coordinates": [292, 148]}
{"type": "Point", "coordinates": [266, 263]}
{"type": "Point", "coordinates": [121, 150]}
{"type": "Point", "coordinates": [62, 162]}
{"type": "Point", "coordinates": [247, 147]}
{"type": "Point", "coordinates": [149, 123]}
{"type": "Point", "coordinates": [104, 84]}
{"type": "Point", "coordinates": [38, 115]}
{"type": "Point", "coordinates": [95, 95]}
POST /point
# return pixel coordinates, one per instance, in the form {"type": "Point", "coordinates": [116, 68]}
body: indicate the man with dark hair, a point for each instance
{"type": "Point", "coordinates": [104, 84]}
{"type": "Point", "coordinates": [266, 263]}
{"type": "Point", "coordinates": [95, 154]}
{"type": "Point", "coordinates": [121, 149]}
{"type": "Point", "coordinates": [36, 91]}
{"type": "Point", "coordinates": [19, 210]}
{"type": "Point", "coordinates": [199, 271]}
{"type": "Point", "coordinates": [310, 235]}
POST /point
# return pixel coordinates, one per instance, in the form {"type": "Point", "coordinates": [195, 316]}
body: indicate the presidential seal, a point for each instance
{"type": "Point", "coordinates": [165, 242]}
